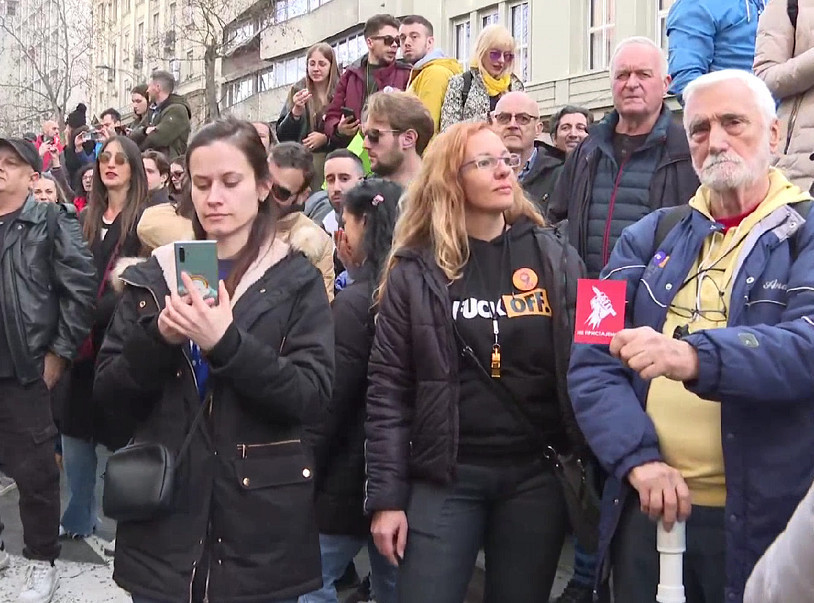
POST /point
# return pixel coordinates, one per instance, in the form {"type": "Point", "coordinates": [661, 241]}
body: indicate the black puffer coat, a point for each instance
{"type": "Point", "coordinates": [243, 495]}
{"type": "Point", "coordinates": [340, 443]}
{"type": "Point", "coordinates": [412, 400]}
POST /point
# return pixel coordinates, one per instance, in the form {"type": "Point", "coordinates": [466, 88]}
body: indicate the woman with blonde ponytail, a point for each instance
{"type": "Point", "coordinates": [474, 316]}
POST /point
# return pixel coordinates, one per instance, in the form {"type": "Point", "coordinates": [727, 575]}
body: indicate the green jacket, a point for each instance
{"type": "Point", "coordinates": [171, 120]}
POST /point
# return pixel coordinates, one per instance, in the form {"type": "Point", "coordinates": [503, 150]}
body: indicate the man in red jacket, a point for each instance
{"type": "Point", "coordinates": [378, 71]}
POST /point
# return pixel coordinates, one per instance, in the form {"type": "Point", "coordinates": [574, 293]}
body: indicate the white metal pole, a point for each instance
{"type": "Point", "coordinates": [671, 546]}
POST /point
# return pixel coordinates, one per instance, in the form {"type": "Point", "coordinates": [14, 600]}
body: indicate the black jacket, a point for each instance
{"type": "Point", "coordinates": [80, 416]}
{"type": "Point", "coordinates": [673, 182]}
{"type": "Point", "coordinates": [290, 129]}
{"type": "Point", "coordinates": [244, 491]}
{"type": "Point", "coordinates": [412, 400]}
{"type": "Point", "coordinates": [542, 176]}
{"type": "Point", "coordinates": [48, 287]}
{"type": "Point", "coordinates": [340, 443]}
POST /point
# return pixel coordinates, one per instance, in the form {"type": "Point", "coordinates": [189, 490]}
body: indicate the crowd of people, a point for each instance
{"type": "Point", "coordinates": [387, 361]}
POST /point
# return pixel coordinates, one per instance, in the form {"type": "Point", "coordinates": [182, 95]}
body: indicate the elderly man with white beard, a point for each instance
{"type": "Point", "coordinates": [702, 409]}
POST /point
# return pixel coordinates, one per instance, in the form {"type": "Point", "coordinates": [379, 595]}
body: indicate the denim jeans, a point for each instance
{"type": "Point", "coordinates": [337, 552]}
{"type": "Point", "coordinates": [516, 513]}
{"type": "Point", "coordinates": [584, 565]}
{"type": "Point", "coordinates": [140, 599]}
{"type": "Point", "coordinates": [81, 470]}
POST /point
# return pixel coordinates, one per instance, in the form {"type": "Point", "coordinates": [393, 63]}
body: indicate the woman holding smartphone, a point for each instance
{"type": "Point", "coordinates": [301, 118]}
{"type": "Point", "coordinates": [258, 363]}
{"type": "Point", "coordinates": [118, 195]}
{"type": "Point", "coordinates": [474, 322]}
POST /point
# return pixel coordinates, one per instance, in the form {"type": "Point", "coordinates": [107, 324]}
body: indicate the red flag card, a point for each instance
{"type": "Point", "coordinates": [600, 310]}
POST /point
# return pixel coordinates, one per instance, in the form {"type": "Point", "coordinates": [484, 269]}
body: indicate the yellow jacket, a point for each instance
{"type": "Point", "coordinates": [429, 79]}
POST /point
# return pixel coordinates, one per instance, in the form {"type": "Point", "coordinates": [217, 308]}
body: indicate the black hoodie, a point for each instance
{"type": "Point", "coordinates": [492, 287]}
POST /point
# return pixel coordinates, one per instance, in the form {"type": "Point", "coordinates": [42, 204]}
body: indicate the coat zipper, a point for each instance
{"type": "Point", "coordinates": [792, 120]}
{"type": "Point", "coordinates": [606, 237]}
{"type": "Point", "coordinates": [244, 448]}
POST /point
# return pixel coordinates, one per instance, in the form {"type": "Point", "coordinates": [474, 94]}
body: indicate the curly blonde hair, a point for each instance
{"type": "Point", "coordinates": [434, 206]}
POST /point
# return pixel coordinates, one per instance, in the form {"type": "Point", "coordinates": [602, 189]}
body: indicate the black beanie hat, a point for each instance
{"type": "Point", "coordinates": [77, 119]}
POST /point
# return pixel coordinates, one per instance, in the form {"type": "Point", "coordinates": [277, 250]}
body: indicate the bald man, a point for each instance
{"type": "Point", "coordinates": [516, 119]}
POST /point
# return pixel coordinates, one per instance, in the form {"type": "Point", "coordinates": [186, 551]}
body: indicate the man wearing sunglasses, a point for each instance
{"type": "Point", "coordinates": [292, 168]}
{"type": "Point", "coordinates": [397, 129]}
{"type": "Point", "coordinates": [377, 71]}
{"type": "Point", "coordinates": [47, 294]}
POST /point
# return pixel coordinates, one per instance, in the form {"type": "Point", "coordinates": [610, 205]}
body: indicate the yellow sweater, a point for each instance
{"type": "Point", "coordinates": [429, 83]}
{"type": "Point", "coordinates": [688, 427]}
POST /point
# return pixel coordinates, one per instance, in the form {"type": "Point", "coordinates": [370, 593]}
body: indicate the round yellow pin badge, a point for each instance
{"type": "Point", "coordinates": [524, 279]}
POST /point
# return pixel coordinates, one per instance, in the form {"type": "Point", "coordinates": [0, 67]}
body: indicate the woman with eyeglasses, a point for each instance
{"type": "Point", "coordinates": [301, 119]}
{"type": "Point", "coordinates": [82, 185]}
{"type": "Point", "coordinates": [117, 196]}
{"type": "Point", "coordinates": [178, 177]}
{"type": "Point", "coordinates": [473, 95]}
{"type": "Point", "coordinates": [258, 362]}
{"type": "Point", "coordinates": [467, 381]}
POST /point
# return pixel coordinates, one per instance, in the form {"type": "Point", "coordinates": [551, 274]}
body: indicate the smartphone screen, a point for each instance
{"type": "Point", "coordinates": [348, 113]}
{"type": "Point", "coordinates": [199, 259]}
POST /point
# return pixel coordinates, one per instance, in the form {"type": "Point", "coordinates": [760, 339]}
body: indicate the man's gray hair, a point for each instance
{"type": "Point", "coordinates": [638, 41]}
{"type": "Point", "coordinates": [760, 91]}
{"type": "Point", "coordinates": [164, 79]}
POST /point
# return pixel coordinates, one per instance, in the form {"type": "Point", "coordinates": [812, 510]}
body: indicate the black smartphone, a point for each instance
{"type": "Point", "coordinates": [199, 259]}
{"type": "Point", "coordinates": [348, 114]}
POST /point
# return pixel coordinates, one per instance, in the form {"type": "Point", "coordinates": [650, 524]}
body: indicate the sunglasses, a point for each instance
{"type": "Point", "coordinates": [494, 56]}
{"type": "Point", "coordinates": [388, 40]}
{"type": "Point", "coordinates": [177, 174]}
{"type": "Point", "coordinates": [522, 119]}
{"type": "Point", "coordinates": [105, 157]}
{"type": "Point", "coordinates": [281, 193]}
{"type": "Point", "coordinates": [374, 135]}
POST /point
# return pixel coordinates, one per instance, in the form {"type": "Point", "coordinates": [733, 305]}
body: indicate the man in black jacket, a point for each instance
{"type": "Point", "coordinates": [635, 161]}
{"type": "Point", "coordinates": [47, 288]}
{"type": "Point", "coordinates": [166, 127]}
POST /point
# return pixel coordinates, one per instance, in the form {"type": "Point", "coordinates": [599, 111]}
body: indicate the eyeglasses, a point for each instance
{"type": "Point", "coordinates": [374, 135]}
{"type": "Point", "coordinates": [713, 314]}
{"type": "Point", "coordinates": [177, 174]}
{"type": "Point", "coordinates": [388, 40]}
{"type": "Point", "coordinates": [105, 157]}
{"type": "Point", "coordinates": [281, 193]}
{"type": "Point", "coordinates": [522, 119]}
{"type": "Point", "coordinates": [487, 162]}
{"type": "Point", "coordinates": [494, 56]}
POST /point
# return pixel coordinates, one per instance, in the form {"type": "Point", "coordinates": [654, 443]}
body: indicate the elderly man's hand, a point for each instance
{"type": "Point", "coordinates": [663, 493]}
{"type": "Point", "coordinates": [652, 354]}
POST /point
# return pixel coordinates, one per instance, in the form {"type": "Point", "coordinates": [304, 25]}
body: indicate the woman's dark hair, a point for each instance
{"type": "Point", "coordinates": [136, 193]}
{"type": "Point", "coordinates": [377, 202]}
{"type": "Point", "coordinates": [160, 161]}
{"type": "Point", "coordinates": [244, 138]}
{"type": "Point", "coordinates": [78, 189]}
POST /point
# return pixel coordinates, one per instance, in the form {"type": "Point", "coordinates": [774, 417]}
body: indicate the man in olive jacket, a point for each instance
{"type": "Point", "coordinates": [166, 127]}
{"type": "Point", "coordinates": [47, 289]}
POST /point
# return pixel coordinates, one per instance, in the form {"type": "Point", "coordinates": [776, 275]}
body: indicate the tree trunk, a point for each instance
{"type": "Point", "coordinates": [211, 91]}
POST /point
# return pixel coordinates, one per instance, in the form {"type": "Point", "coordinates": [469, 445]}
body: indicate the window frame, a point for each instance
{"type": "Point", "coordinates": [661, 23]}
{"type": "Point", "coordinates": [605, 30]}
{"type": "Point", "coordinates": [462, 54]}
{"type": "Point", "coordinates": [522, 64]}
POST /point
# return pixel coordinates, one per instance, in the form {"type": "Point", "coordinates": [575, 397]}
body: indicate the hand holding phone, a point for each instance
{"type": "Point", "coordinates": [348, 126]}
{"type": "Point", "coordinates": [192, 318]}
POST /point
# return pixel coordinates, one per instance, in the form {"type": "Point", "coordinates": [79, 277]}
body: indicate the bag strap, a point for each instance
{"type": "Point", "coordinates": [193, 428]}
{"type": "Point", "coordinates": [668, 221]}
{"type": "Point", "coordinates": [793, 10]}
{"type": "Point", "coordinates": [468, 77]}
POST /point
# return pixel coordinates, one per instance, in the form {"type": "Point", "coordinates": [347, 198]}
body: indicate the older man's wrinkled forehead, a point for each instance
{"type": "Point", "coordinates": [722, 102]}
{"type": "Point", "coordinates": [636, 57]}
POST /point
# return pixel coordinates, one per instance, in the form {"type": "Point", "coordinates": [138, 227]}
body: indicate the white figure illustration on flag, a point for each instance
{"type": "Point", "coordinates": [601, 308]}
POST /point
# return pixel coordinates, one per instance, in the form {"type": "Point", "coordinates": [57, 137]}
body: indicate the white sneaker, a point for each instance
{"type": "Point", "coordinates": [7, 485]}
{"type": "Point", "coordinates": [4, 558]}
{"type": "Point", "coordinates": [110, 548]}
{"type": "Point", "coordinates": [41, 581]}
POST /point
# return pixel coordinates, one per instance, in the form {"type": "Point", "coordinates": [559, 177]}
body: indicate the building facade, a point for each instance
{"type": "Point", "coordinates": [564, 46]}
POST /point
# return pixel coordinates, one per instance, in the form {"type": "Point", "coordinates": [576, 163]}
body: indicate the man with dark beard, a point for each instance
{"type": "Point", "coordinates": [396, 130]}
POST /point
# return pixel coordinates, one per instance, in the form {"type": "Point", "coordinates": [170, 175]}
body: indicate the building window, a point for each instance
{"type": "Point", "coordinates": [462, 36]}
{"type": "Point", "coordinates": [490, 18]}
{"type": "Point", "coordinates": [349, 49]}
{"type": "Point", "coordinates": [173, 11]}
{"type": "Point", "coordinates": [661, 22]}
{"type": "Point", "coordinates": [600, 33]}
{"type": "Point", "coordinates": [140, 32]}
{"type": "Point", "coordinates": [240, 90]}
{"type": "Point", "coordinates": [190, 64]}
{"type": "Point", "coordinates": [155, 24]}
{"type": "Point", "coordinates": [520, 33]}
{"type": "Point", "coordinates": [265, 80]}
{"type": "Point", "coordinates": [175, 69]}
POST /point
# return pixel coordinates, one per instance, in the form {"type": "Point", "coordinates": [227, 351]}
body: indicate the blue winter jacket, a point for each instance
{"type": "Point", "coordinates": [760, 368]}
{"type": "Point", "coordinates": [710, 35]}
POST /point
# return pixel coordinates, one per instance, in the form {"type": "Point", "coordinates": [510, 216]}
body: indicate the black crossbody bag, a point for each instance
{"type": "Point", "coordinates": [140, 478]}
{"type": "Point", "coordinates": [580, 478]}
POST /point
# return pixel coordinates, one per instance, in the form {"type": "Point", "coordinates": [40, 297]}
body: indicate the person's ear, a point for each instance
{"type": "Point", "coordinates": [263, 190]}
{"type": "Point", "coordinates": [774, 135]}
{"type": "Point", "coordinates": [538, 128]}
{"type": "Point", "coordinates": [409, 139]}
{"type": "Point", "coordinates": [430, 43]}
{"type": "Point", "coordinates": [33, 180]}
{"type": "Point", "coordinates": [164, 180]}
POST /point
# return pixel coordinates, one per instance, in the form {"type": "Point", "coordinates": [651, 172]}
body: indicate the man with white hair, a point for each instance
{"type": "Point", "coordinates": [702, 409]}
{"type": "Point", "coordinates": [634, 161]}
